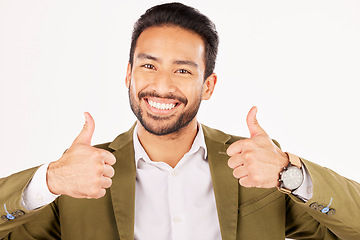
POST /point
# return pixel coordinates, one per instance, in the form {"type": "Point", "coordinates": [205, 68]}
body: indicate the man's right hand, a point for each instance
{"type": "Point", "coordinates": [83, 171]}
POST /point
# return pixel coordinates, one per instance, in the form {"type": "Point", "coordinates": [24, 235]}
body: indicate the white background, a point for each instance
{"type": "Point", "coordinates": [298, 61]}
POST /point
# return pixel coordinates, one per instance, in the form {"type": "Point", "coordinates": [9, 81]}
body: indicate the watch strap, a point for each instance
{"type": "Point", "coordinates": [294, 160]}
{"type": "Point", "coordinates": [284, 190]}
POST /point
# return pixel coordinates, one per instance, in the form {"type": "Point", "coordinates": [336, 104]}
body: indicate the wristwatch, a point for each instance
{"type": "Point", "coordinates": [292, 176]}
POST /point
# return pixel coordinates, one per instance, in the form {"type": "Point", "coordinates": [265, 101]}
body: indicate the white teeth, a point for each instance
{"type": "Point", "coordinates": [161, 106]}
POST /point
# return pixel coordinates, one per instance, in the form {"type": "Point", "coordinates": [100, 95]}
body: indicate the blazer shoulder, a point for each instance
{"type": "Point", "coordinates": [219, 136]}
{"type": "Point", "coordinates": [119, 142]}
{"type": "Point", "coordinates": [104, 146]}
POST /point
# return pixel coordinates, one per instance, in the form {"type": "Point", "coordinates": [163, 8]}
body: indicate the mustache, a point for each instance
{"type": "Point", "coordinates": [168, 96]}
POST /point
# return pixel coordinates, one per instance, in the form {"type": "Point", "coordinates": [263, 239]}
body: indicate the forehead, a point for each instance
{"type": "Point", "coordinates": [171, 42]}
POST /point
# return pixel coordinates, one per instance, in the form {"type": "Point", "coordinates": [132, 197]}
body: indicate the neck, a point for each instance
{"type": "Point", "coordinates": [168, 148]}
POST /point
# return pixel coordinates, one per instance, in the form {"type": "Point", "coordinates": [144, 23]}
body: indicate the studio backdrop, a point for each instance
{"type": "Point", "coordinates": [297, 61]}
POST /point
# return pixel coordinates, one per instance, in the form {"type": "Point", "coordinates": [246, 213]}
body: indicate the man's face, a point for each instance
{"type": "Point", "coordinates": [166, 81]}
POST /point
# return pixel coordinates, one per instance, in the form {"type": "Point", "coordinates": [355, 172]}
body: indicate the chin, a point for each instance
{"type": "Point", "coordinates": [161, 128]}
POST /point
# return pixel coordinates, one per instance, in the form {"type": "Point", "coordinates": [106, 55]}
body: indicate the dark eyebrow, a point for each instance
{"type": "Point", "coordinates": [147, 56]}
{"type": "Point", "coordinates": [186, 62]}
{"type": "Point", "coordinates": [178, 62]}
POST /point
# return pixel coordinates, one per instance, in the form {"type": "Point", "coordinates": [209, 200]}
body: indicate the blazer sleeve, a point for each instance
{"type": "Point", "coordinates": [15, 221]}
{"type": "Point", "coordinates": [341, 217]}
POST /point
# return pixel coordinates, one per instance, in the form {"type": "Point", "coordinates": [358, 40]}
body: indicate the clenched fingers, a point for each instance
{"type": "Point", "coordinates": [240, 172]}
{"type": "Point", "coordinates": [108, 171]}
{"type": "Point", "coordinates": [235, 161]}
{"type": "Point", "coordinates": [109, 158]}
{"type": "Point", "coordinates": [106, 182]}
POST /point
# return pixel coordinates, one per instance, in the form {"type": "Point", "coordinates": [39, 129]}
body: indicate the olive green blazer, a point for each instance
{"type": "Point", "coordinates": [244, 213]}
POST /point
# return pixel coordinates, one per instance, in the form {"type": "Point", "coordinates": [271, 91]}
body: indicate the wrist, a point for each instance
{"type": "Point", "coordinates": [51, 179]}
{"type": "Point", "coordinates": [284, 163]}
{"type": "Point", "coordinates": [286, 160]}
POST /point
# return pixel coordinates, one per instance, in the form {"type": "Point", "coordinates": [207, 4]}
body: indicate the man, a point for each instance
{"type": "Point", "coordinates": [174, 178]}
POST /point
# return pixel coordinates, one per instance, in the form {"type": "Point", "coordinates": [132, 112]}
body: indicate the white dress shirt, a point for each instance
{"type": "Point", "coordinates": [37, 194]}
{"type": "Point", "coordinates": [175, 203]}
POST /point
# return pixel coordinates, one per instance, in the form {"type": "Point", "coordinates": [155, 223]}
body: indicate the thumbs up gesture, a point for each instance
{"type": "Point", "coordinates": [83, 171]}
{"type": "Point", "coordinates": [257, 161]}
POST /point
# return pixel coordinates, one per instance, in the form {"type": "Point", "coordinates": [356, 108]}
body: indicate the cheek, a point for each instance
{"type": "Point", "coordinates": [195, 90]}
{"type": "Point", "coordinates": [132, 90]}
{"type": "Point", "coordinates": [139, 81]}
{"type": "Point", "coordinates": [135, 84]}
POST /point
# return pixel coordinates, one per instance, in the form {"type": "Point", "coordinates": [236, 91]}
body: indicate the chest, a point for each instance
{"type": "Point", "coordinates": [179, 203]}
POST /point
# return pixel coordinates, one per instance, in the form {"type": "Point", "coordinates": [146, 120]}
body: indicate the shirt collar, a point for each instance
{"type": "Point", "coordinates": [198, 143]}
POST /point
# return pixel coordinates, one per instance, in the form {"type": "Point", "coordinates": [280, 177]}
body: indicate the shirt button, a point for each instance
{"type": "Point", "coordinates": [174, 173]}
{"type": "Point", "coordinates": [177, 220]}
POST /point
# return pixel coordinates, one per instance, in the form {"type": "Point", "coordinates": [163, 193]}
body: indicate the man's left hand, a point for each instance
{"type": "Point", "coordinates": [257, 161]}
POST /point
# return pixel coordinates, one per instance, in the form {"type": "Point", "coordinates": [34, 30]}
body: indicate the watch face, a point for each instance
{"type": "Point", "coordinates": [292, 178]}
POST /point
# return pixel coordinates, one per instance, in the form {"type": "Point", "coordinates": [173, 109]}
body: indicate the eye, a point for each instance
{"type": "Point", "coordinates": [148, 66]}
{"type": "Point", "coordinates": [183, 71]}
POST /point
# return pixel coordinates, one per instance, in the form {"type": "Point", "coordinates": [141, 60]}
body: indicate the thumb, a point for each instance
{"type": "Point", "coordinates": [253, 125]}
{"type": "Point", "coordinates": [87, 131]}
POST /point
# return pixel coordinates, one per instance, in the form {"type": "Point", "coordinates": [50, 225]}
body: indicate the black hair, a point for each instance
{"type": "Point", "coordinates": [178, 14]}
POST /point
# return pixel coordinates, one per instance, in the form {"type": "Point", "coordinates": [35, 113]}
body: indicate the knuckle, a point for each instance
{"type": "Point", "coordinates": [248, 143]}
{"type": "Point", "coordinates": [97, 184]}
{"type": "Point", "coordinates": [99, 169]}
{"type": "Point", "coordinates": [104, 154]}
{"type": "Point", "coordinates": [97, 154]}
{"type": "Point", "coordinates": [248, 156]}
{"type": "Point", "coordinates": [255, 178]}
{"type": "Point", "coordinates": [251, 166]}
{"type": "Point", "coordinates": [94, 186]}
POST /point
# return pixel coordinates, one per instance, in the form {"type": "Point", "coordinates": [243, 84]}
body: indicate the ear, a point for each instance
{"type": "Point", "coordinates": [209, 86]}
{"type": "Point", "coordinates": [128, 75]}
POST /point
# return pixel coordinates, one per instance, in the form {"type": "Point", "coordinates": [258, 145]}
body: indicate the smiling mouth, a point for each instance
{"type": "Point", "coordinates": [161, 106]}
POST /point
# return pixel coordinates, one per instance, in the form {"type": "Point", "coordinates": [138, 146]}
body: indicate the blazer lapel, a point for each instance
{"type": "Point", "coordinates": [123, 187]}
{"type": "Point", "coordinates": [225, 186]}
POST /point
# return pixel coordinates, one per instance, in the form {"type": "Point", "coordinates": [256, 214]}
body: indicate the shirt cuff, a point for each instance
{"type": "Point", "coordinates": [305, 191]}
{"type": "Point", "coordinates": [37, 194]}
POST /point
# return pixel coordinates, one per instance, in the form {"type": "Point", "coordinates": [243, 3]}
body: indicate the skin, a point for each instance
{"type": "Point", "coordinates": [83, 171]}
{"type": "Point", "coordinates": [172, 64]}
{"type": "Point", "coordinates": [257, 161]}
{"type": "Point", "coordinates": [168, 68]}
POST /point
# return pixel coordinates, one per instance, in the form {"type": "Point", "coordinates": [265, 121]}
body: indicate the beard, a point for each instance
{"type": "Point", "coordinates": [160, 127]}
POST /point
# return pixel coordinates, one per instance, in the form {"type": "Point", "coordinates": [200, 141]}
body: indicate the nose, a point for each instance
{"type": "Point", "coordinates": [163, 83]}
